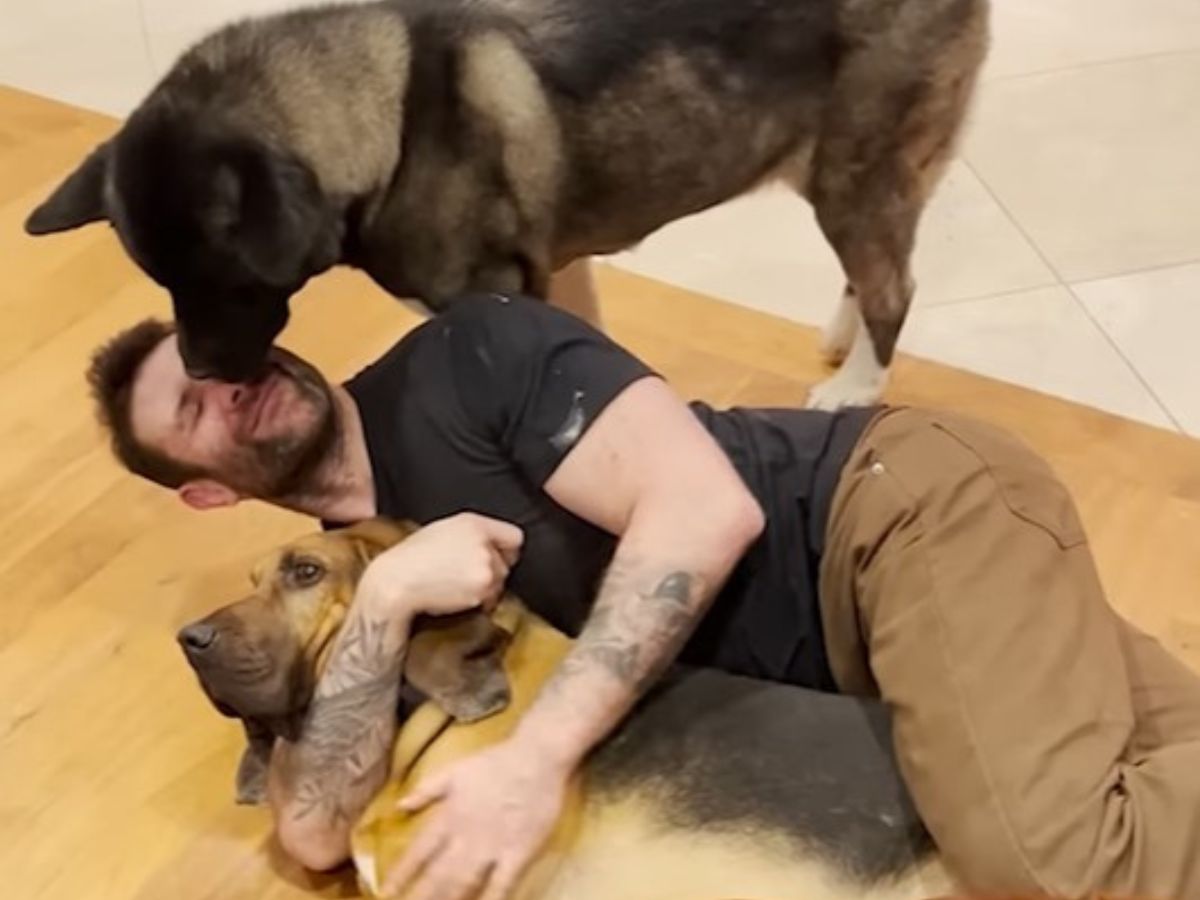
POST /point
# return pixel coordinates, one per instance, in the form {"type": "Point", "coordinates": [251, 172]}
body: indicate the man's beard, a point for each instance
{"type": "Point", "coordinates": [289, 465]}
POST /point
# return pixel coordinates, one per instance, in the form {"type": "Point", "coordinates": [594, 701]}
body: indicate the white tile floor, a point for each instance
{"type": "Point", "coordinates": [1062, 252]}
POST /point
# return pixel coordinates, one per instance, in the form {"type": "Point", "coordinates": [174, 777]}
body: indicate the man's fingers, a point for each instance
{"type": "Point", "coordinates": [500, 565]}
{"type": "Point", "coordinates": [450, 878]}
{"type": "Point", "coordinates": [504, 879]}
{"type": "Point", "coordinates": [427, 845]}
{"type": "Point", "coordinates": [499, 577]}
{"type": "Point", "coordinates": [510, 554]}
{"type": "Point", "coordinates": [505, 536]}
{"type": "Point", "coordinates": [432, 788]}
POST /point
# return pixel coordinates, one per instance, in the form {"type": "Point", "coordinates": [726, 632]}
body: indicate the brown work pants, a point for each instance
{"type": "Point", "coordinates": [1048, 744]}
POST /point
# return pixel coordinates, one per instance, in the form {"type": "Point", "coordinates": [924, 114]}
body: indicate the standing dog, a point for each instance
{"type": "Point", "coordinates": [454, 145]}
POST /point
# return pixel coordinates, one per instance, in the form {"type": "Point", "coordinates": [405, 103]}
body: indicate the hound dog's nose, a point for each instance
{"type": "Point", "coordinates": [197, 637]}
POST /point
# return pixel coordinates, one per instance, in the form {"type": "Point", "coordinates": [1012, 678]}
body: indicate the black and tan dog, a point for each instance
{"type": "Point", "coordinates": [454, 145]}
{"type": "Point", "coordinates": [715, 787]}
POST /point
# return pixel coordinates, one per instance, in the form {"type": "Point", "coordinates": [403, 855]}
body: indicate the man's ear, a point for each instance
{"type": "Point", "coordinates": [78, 200]}
{"type": "Point", "coordinates": [203, 493]}
{"type": "Point", "coordinates": [252, 770]}
{"type": "Point", "coordinates": [458, 663]}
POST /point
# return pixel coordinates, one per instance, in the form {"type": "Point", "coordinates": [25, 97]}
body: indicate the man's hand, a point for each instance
{"type": "Point", "coordinates": [494, 813]}
{"type": "Point", "coordinates": [449, 566]}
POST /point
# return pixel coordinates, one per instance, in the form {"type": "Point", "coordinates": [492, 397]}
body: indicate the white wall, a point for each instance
{"type": "Point", "coordinates": [106, 54]}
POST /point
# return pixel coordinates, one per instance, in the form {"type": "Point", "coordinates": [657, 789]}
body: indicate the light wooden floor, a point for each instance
{"type": "Point", "coordinates": [115, 775]}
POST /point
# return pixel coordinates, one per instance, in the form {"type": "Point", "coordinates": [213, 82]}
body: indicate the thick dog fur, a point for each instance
{"type": "Point", "coordinates": [715, 787]}
{"type": "Point", "coordinates": [447, 145]}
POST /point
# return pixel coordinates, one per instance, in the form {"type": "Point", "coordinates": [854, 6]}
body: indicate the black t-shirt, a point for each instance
{"type": "Point", "coordinates": [474, 410]}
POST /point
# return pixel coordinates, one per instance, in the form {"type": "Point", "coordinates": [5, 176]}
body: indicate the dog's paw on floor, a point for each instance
{"type": "Point", "coordinates": [859, 382]}
{"type": "Point", "coordinates": [837, 392]}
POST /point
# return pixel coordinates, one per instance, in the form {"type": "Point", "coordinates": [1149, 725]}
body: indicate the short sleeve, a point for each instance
{"type": "Point", "coordinates": [534, 377]}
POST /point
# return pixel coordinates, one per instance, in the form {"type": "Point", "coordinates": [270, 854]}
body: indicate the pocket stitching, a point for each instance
{"type": "Point", "coordinates": [1065, 535]}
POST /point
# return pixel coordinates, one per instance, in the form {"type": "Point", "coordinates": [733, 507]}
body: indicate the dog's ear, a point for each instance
{"type": "Point", "coordinates": [458, 663]}
{"type": "Point", "coordinates": [372, 536]}
{"type": "Point", "coordinates": [78, 200]}
{"type": "Point", "coordinates": [271, 213]}
{"type": "Point", "coordinates": [251, 782]}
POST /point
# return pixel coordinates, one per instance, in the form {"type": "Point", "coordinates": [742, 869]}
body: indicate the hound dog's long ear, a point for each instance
{"type": "Point", "coordinates": [252, 770]}
{"type": "Point", "coordinates": [78, 200]}
{"type": "Point", "coordinates": [458, 663]}
{"type": "Point", "coordinates": [372, 536]}
{"type": "Point", "coordinates": [261, 734]}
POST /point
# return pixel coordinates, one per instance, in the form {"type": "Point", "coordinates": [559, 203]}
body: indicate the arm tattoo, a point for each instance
{"type": "Point", "coordinates": [640, 622]}
{"type": "Point", "coordinates": [361, 655]}
{"type": "Point", "coordinates": [343, 754]}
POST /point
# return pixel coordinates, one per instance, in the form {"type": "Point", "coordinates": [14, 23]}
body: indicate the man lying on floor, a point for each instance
{"type": "Point", "coordinates": [1048, 745]}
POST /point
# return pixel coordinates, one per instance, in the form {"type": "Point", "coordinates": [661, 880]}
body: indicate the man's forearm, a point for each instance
{"type": "Point", "coordinates": [324, 781]}
{"type": "Point", "coordinates": [648, 606]}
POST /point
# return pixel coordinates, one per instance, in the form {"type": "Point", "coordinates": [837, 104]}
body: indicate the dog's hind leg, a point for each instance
{"type": "Point", "coordinates": [572, 288]}
{"type": "Point", "coordinates": [843, 328]}
{"type": "Point", "coordinates": [871, 222]}
{"type": "Point", "coordinates": [868, 203]}
{"type": "Point", "coordinates": [889, 132]}
{"type": "Point", "coordinates": [870, 219]}
{"type": "Point", "coordinates": [865, 331]}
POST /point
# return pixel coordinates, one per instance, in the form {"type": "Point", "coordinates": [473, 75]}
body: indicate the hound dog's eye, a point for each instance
{"type": "Point", "coordinates": [306, 572]}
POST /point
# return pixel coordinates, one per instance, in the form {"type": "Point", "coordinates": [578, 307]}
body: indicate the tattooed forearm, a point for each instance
{"type": "Point", "coordinates": [645, 612]}
{"type": "Point", "coordinates": [640, 622]}
{"type": "Point", "coordinates": [343, 754]}
{"type": "Point", "coordinates": [361, 655]}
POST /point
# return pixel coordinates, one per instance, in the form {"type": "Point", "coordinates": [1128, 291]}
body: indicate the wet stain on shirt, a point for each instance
{"type": "Point", "coordinates": [485, 357]}
{"type": "Point", "coordinates": [572, 427]}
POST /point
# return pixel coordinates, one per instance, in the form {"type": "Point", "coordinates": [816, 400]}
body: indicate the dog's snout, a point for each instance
{"type": "Point", "coordinates": [198, 637]}
{"type": "Point", "coordinates": [200, 372]}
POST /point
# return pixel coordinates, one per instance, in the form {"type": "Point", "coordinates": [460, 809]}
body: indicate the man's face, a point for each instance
{"type": "Point", "coordinates": [263, 440]}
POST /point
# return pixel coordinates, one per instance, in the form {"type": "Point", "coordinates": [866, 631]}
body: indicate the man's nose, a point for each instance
{"type": "Point", "coordinates": [197, 637]}
{"type": "Point", "coordinates": [227, 396]}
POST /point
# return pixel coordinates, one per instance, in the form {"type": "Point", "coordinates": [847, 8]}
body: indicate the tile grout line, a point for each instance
{"type": "Point", "coordinates": [1108, 337]}
{"type": "Point", "coordinates": [978, 298]}
{"type": "Point", "coordinates": [1147, 270]}
{"type": "Point", "coordinates": [145, 29]}
{"type": "Point", "coordinates": [1091, 64]}
{"type": "Point", "coordinates": [1055, 282]}
{"type": "Point", "coordinates": [1075, 299]}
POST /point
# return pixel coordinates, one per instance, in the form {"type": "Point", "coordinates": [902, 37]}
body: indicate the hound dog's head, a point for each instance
{"type": "Point", "coordinates": [259, 659]}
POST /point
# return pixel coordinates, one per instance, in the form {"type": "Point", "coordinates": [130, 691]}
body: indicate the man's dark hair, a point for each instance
{"type": "Point", "coordinates": [110, 376]}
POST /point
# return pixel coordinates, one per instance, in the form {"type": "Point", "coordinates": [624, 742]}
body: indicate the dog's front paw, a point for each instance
{"type": "Point", "coordinates": [846, 388]}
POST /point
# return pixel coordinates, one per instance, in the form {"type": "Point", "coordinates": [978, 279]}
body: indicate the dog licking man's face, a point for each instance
{"type": "Point", "coordinates": [230, 227]}
{"type": "Point", "coordinates": [267, 439]}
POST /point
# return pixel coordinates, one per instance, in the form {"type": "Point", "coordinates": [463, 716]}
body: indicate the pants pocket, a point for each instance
{"type": "Point", "coordinates": [1027, 484]}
